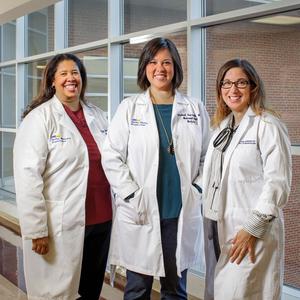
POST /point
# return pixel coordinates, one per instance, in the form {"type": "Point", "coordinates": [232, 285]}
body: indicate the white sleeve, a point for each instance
{"type": "Point", "coordinates": [30, 156]}
{"type": "Point", "coordinates": [275, 149]}
{"type": "Point", "coordinates": [114, 153]}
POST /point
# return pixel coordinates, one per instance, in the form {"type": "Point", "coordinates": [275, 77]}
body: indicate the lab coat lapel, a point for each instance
{"type": "Point", "coordinates": [179, 106]}
{"type": "Point", "coordinates": [149, 110]}
{"type": "Point", "coordinates": [237, 137]}
{"type": "Point", "coordinates": [63, 117]}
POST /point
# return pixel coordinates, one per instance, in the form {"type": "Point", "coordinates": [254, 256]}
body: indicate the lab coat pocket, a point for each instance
{"type": "Point", "coordinates": [133, 211]}
{"type": "Point", "coordinates": [240, 280]}
{"type": "Point", "coordinates": [54, 217]}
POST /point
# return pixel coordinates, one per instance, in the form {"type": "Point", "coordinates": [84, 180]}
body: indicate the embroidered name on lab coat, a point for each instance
{"type": "Point", "coordinates": [189, 118]}
{"type": "Point", "coordinates": [248, 142]}
{"type": "Point", "coordinates": [138, 122]}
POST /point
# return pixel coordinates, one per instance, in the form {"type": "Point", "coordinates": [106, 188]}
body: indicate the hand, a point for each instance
{"type": "Point", "coordinates": [40, 245]}
{"type": "Point", "coordinates": [242, 244]}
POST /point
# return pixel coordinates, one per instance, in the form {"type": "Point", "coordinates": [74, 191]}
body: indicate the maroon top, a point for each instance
{"type": "Point", "coordinates": [98, 198]}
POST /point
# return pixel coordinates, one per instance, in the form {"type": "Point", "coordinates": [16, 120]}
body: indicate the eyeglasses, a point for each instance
{"type": "Point", "coordinates": [240, 84]}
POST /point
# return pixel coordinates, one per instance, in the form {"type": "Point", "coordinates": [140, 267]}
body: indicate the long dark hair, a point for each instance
{"type": "Point", "coordinates": [47, 91]}
{"type": "Point", "coordinates": [149, 51]}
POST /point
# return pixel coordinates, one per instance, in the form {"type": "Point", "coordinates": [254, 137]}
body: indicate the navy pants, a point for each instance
{"type": "Point", "coordinates": [95, 252]}
{"type": "Point", "coordinates": [139, 286]}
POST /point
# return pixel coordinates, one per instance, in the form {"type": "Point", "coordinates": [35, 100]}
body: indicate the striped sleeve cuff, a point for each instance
{"type": "Point", "coordinates": [258, 224]}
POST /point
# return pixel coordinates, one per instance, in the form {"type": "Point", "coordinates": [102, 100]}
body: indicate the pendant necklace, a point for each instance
{"type": "Point", "coordinates": [170, 147]}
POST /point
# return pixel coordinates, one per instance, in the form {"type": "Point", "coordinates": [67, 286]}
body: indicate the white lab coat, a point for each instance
{"type": "Point", "coordinates": [130, 159]}
{"type": "Point", "coordinates": [256, 176]}
{"type": "Point", "coordinates": [51, 168]}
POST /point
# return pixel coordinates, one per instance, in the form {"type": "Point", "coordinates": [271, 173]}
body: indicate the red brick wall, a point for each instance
{"type": "Point", "coordinates": [87, 21]}
{"type": "Point", "coordinates": [292, 229]}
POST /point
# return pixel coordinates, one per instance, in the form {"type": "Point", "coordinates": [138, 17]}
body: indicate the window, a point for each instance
{"type": "Point", "coordinates": [144, 14]}
{"type": "Point", "coordinates": [8, 41]}
{"type": "Point", "coordinates": [8, 97]}
{"type": "Point", "coordinates": [95, 62]}
{"type": "Point", "coordinates": [87, 21]}
{"type": "Point", "coordinates": [220, 6]}
{"type": "Point", "coordinates": [6, 162]}
{"type": "Point", "coordinates": [33, 77]}
{"type": "Point", "coordinates": [40, 31]}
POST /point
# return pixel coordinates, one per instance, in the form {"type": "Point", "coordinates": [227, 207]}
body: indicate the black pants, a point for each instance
{"type": "Point", "coordinates": [212, 254]}
{"type": "Point", "coordinates": [139, 286]}
{"type": "Point", "coordinates": [95, 252]}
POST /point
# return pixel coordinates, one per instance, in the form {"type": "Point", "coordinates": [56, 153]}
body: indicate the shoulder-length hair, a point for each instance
{"type": "Point", "coordinates": [47, 91]}
{"type": "Point", "coordinates": [257, 91]}
{"type": "Point", "coordinates": [148, 53]}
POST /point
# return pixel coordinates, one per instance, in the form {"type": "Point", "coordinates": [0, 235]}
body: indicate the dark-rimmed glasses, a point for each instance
{"type": "Point", "coordinates": [240, 84]}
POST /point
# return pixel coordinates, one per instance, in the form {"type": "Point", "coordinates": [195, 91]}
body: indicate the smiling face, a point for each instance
{"type": "Point", "coordinates": [237, 99]}
{"type": "Point", "coordinates": [160, 71]}
{"type": "Point", "coordinates": [67, 82]}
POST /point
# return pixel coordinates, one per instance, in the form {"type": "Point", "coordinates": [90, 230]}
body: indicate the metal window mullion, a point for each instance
{"type": "Point", "coordinates": [60, 25]}
{"type": "Point", "coordinates": [196, 52]}
{"type": "Point", "coordinates": [115, 55]}
{"type": "Point", "coordinates": [115, 79]}
{"type": "Point", "coordinates": [20, 68]}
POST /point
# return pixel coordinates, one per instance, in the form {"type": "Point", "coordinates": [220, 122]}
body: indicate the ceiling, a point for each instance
{"type": "Point", "coordinates": [12, 9]}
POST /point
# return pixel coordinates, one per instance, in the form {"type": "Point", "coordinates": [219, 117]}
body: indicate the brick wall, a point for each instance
{"type": "Point", "coordinates": [87, 21]}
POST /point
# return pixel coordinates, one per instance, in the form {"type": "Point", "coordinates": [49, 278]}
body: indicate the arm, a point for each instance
{"type": "Point", "coordinates": [30, 155]}
{"type": "Point", "coordinates": [114, 153]}
{"type": "Point", "coordinates": [275, 151]}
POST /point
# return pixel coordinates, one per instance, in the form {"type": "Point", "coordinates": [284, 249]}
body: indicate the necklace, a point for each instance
{"type": "Point", "coordinates": [170, 147]}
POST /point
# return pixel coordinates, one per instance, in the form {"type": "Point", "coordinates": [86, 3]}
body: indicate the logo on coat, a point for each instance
{"type": "Point", "coordinates": [138, 122]}
{"type": "Point", "coordinates": [57, 138]}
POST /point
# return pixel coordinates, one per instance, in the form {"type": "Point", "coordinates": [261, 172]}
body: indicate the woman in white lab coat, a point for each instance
{"type": "Point", "coordinates": [247, 177]}
{"type": "Point", "coordinates": [63, 196]}
{"type": "Point", "coordinates": [153, 158]}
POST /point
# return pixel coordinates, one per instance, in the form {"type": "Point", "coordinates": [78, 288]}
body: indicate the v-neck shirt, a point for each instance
{"type": "Point", "coordinates": [98, 197]}
{"type": "Point", "coordinates": [168, 180]}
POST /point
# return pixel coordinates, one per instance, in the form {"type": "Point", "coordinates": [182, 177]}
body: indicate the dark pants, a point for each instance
{"type": "Point", "coordinates": [139, 286]}
{"type": "Point", "coordinates": [212, 254]}
{"type": "Point", "coordinates": [95, 252]}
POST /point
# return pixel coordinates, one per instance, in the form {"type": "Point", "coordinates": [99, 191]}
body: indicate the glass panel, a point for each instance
{"type": "Point", "coordinates": [96, 84]}
{"type": "Point", "coordinates": [33, 79]}
{"type": "Point", "coordinates": [100, 101]}
{"type": "Point", "coordinates": [144, 14]}
{"type": "Point", "coordinates": [131, 58]}
{"type": "Point", "coordinates": [272, 45]}
{"type": "Point", "coordinates": [6, 161]}
{"type": "Point", "coordinates": [218, 6]}
{"type": "Point", "coordinates": [8, 97]}
{"type": "Point", "coordinates": [8, 45]}
{"type": "Point", "coordinates": [40, 31]}
{"type": "Point", "coordinates": [95, 62]}
{"type": "Point", "coordinates": [87, 21]}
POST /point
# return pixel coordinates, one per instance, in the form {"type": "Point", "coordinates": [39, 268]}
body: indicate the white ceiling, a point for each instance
{"type": "Point", "coordinates": [12, 9]}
